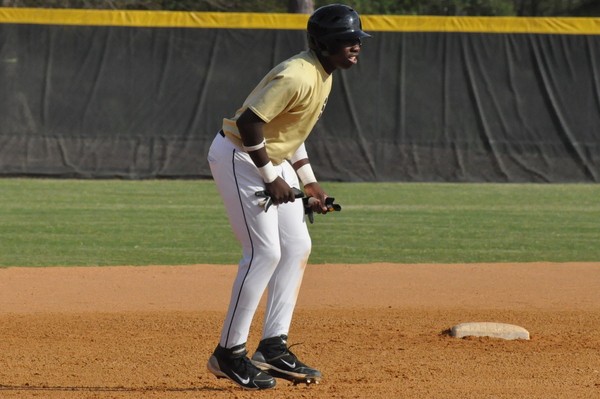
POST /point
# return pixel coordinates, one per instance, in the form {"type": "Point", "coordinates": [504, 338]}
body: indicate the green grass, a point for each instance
{"type": "Point", "coordinates": [115, 222]}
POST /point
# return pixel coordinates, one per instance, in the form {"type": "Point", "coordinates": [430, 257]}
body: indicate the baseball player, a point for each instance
{"type": "Point", "coordinates": [261, 148]}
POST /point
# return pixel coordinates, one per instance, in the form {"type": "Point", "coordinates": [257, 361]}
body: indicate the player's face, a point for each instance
{"type": "Point", "coordinates": [347, 54]}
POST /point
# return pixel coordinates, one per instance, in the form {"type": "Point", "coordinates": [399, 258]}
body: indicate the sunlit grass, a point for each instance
{"type": "Point", "coordinates": [114, 222]}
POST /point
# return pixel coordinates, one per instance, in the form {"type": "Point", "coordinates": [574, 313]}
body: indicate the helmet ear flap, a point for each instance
{"type": "Point", "coordinates": [318, 46]}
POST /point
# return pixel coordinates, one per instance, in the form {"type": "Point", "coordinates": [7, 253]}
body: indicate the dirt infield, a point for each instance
{"type": "Point", "coordinates": [375, 331]}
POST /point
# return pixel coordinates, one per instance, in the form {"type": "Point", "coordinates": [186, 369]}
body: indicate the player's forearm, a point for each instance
{"type": "Point", "coordinates": [258, 154]}
{"type": "Point", "coordinates": [301, 165]}
{"type": "Point", "coordinates": [250, 127]}
{"type": "Point", "coordinates": [298, 164]}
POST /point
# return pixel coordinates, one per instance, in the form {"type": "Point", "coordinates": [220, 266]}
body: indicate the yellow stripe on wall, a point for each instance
{"type": "Point", "coordinates": [395, 23]}
{"type": "Point", "coordinates": [152, 19]}
{"type": "Point", "coordinates": [373, 23]}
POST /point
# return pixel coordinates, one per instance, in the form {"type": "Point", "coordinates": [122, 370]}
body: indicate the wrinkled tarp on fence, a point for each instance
{"type": "Point", "coordinates": [137, 94]}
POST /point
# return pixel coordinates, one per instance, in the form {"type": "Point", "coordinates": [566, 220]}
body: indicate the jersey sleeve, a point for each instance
{"type": "Point", "coordinates": [283, 93]}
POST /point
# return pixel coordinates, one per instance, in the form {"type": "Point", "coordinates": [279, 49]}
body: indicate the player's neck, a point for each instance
{"type": "Point", "coordinates": [328, 66]}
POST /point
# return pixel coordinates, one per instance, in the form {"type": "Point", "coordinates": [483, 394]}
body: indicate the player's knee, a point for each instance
{"type": "Point", "coordinates": [306, 247]}
{"type": "Point", "coordinates": [269, 256]}
{"type": "Point", "coordinates": [300, 250]}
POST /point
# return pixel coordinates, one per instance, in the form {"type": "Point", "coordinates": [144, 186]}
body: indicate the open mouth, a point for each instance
{"type": "Point", "coordinates": [353, 59]}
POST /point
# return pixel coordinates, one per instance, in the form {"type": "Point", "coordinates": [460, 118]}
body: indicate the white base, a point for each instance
{"type": "Point", "coordinates": [486, 329]}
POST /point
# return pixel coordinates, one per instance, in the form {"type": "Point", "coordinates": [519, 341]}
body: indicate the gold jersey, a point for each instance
{"type": "Point", "coordinates": [290, 100]}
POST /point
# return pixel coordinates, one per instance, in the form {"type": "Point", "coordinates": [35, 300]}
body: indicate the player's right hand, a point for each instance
{"type": "Point", "coordinates": [280, 191]}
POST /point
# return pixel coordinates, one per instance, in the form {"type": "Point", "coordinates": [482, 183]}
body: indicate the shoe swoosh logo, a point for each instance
{"type": "Point", "coordinates": [290, 365]}
{"type": "Point", "coordinates": [242, 380]}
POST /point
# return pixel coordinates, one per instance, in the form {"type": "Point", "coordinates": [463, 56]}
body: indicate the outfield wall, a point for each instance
{"type": "Point", "coordinates": [138, 94]}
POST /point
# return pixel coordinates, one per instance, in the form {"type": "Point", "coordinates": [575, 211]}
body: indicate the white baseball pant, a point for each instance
{"type": "Point", "coordinates": [275, 244]}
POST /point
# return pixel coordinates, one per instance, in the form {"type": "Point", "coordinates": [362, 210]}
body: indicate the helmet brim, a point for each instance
{"type": "Point", "coordinates": [341, 36]}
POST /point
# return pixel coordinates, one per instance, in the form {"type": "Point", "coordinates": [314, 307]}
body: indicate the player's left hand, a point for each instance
{"type": "Point", "coordinates": [315, 191]}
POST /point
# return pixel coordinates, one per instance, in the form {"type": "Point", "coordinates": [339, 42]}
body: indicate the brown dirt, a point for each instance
{"type": "Point", "coordinates": [375, 331]}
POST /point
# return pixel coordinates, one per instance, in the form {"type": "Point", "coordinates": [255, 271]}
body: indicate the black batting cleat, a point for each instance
{"type": "Point", "coordinates": [274, 357]}
{"type": "Point", "coordinates": [234, 364]}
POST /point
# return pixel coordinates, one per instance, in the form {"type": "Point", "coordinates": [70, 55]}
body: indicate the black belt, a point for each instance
{"type": "Point", "coordinates": [221, 133]}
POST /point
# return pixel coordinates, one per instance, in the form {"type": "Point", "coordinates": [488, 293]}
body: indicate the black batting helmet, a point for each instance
{"type": "Point", "coordinates": [331, 24]}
